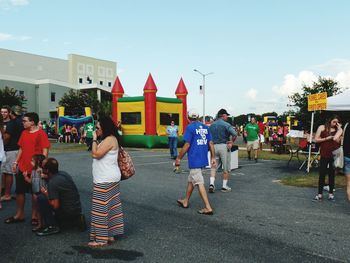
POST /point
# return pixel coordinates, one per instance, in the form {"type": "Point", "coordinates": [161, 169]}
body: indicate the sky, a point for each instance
{"type": "Point", "coordinates": [258, 51]}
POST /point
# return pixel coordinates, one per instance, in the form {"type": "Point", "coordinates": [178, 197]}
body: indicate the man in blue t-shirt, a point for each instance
{"type": "Point", "coordinates": [198, 141]}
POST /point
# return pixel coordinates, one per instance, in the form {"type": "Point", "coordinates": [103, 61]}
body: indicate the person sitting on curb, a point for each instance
{"type": "Point", "coordinates": [59, 204]}
{"type": "Point", "coordinates": [197, 142]}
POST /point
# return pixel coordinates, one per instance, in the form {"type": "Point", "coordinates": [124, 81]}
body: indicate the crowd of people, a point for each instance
{"type": "Point", "coordinates": [24, 155]}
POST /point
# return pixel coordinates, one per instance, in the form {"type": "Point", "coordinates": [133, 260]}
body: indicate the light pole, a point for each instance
{"type": "Point", "coordinates": [203, 90]}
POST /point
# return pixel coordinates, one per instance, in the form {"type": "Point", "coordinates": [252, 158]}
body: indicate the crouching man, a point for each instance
{"type": "Point", "coordinates": [59, 204]}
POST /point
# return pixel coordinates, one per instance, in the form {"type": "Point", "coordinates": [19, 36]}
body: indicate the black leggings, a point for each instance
{"type": "Point", "coordinates": [326, 167]}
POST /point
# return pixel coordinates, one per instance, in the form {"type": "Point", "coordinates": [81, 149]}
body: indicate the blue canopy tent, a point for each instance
{"type": "Point", "coordinates": [77, 122]}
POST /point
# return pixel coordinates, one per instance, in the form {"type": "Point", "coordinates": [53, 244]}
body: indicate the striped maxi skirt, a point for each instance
{"type": "Point", "coordinates": [106, 214]}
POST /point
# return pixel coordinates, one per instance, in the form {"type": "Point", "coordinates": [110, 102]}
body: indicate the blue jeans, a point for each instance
{"type": "Point", "coordinates": [173, 146]}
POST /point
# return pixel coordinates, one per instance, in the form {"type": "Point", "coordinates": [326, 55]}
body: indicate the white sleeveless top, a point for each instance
{"type": "Point", "coordinates": [106, 169]}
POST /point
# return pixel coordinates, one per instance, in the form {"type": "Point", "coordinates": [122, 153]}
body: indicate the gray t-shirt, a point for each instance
{"type": "Point", "coordinates": [62, 187]}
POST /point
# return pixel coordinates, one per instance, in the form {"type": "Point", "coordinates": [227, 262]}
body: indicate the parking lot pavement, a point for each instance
{"type": "Point", "coordinates": [259, 221]}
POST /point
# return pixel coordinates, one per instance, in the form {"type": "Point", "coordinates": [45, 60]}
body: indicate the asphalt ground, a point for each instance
{"type": "Point", "coordinates": [259, 221]}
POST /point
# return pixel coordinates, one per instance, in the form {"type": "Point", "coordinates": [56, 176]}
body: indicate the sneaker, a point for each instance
{"type": "Point", "coordinates": [317, 198]}
{"type": "Point", "coordinates": [226, 189]}
{"type": "Point", "coordinates": [331, 198]}
{"type": "Point", "coordinates": [211, 188]}
{"type": "Point", "coordinates": [50, 230]}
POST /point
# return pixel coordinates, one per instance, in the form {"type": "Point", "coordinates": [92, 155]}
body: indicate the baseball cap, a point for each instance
{"type": "Point", "coordinates": [17, 110]}
{"type": "Point", "coordinates": [222, 112]}
{"type": "Point", "coordinates": [193, 114]}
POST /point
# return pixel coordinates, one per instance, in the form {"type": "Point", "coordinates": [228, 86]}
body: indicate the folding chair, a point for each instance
{"type": "Point", "coordinates": [314, 157]}
{"type": "Point", "coordinates": [295, 149]}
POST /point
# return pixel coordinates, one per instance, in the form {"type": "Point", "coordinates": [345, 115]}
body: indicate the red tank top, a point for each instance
{"type": "Point", "coordinates": [327, 147]}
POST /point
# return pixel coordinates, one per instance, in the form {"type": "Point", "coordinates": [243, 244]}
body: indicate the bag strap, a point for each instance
{"type": "Point", "coordinates": [342, 139]}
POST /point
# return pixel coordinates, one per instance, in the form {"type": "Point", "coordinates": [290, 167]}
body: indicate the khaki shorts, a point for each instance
{"type": "Point", "coordinates": [253, 145]}
{"type": "Point", "coordinates": [195, 177]}
{"type": "Point", "coordinates": [223, 155]}
{"type": "Point", "coordinates": [6, 167]}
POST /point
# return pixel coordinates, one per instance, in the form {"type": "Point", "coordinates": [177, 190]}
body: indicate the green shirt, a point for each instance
{"type": "Point", "coordinates": [252, 131]}
{"type": "Point", "coordinates": [89, 128]}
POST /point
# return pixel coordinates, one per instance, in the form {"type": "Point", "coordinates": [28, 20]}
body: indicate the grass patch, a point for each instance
{"type": "Point", "coordinates": [311, 180]}
{"type": "Point", "coordinates": [63, 148]}
{"type": "Point", "coordinates": [267, 155]}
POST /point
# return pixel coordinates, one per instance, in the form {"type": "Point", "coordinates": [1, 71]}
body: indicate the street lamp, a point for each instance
{"type": "Point", "coordinates": [203, 90]}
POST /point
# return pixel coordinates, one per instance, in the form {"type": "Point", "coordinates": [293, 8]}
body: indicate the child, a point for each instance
{"type": "Point", "coordinates": [37, 180]}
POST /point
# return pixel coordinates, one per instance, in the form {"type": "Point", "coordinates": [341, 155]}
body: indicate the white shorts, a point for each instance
{"type": "Point", "coordinates": [195, 177]}
{"type": "Point", "coordinates": [6, 167]}
{"type": "Point", "coordinates": [253, 145]}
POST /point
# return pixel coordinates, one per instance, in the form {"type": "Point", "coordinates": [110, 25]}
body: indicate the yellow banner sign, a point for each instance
{"type": "Point", "coordinates": [317, 101]}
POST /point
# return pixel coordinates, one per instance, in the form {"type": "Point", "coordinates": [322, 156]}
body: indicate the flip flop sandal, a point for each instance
{"type": "Point", "coordinates": [5, 199]}
{"type": "Point", "coordinates": [204, 212]}
{"type": "Point", "coordinates": [94, 244]}
{"type": "Point", "coordinates": [13, 220]}
{"type": "Point", "coordinates": [181, 204]}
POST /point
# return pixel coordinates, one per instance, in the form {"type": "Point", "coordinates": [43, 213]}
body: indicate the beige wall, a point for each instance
{"type": "Point", "coordinates": [25, 65]}
{"type": "Point", "coordinates": [100, 72]}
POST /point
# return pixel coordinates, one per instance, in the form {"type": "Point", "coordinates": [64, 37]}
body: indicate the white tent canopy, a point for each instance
{"type": "Point", "coordinates": [340, 102]}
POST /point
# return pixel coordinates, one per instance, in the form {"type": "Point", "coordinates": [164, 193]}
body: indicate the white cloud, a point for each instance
{"type": "Point", "coordinates": [10, 4]}
{"type": "Point", "coordinates": [5, 37]}
{"type": "Point", "coordinates": [343, 79]}
{"type": "Point", "coordinates": [24, 38]}
{"type": "Point", "coordinates": [333, 66]}
{"type": "Point", "coordinates": [8, 37]}
{"type": "Point", "coordinates": [19, 2]}
{"type": "Point", "coordinates": [292, 83]}
{"type": "Point", "coordinates": [251, 94]}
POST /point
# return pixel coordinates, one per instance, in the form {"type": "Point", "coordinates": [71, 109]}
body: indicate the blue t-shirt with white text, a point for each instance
{"type": "Point", "coordinates": [198, 136]}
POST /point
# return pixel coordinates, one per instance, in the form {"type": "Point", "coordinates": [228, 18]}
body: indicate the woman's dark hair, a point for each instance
{"type": "Point", "coordinates": [328, 123]}
{"type": "Point", "coordinates": [108, 127]}
{"type": "Point", "coordinates": [38, 160]}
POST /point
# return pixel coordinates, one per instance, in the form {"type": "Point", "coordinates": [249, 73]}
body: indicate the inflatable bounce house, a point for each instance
{"type": "Point", "coordinates": [76, 121]}
{"type": "Point", "coordinates": [144, 119]}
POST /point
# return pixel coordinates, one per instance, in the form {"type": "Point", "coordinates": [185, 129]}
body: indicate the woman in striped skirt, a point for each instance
{"type": "Point", "coordinates": [106, 214]}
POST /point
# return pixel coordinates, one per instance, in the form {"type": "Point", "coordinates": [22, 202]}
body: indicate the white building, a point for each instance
{"type": "Point", "coordinates": [44, 80]}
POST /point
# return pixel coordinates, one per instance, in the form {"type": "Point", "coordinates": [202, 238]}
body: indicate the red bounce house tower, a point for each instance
{"type": "Point", "coordinates": [181, 93]}
{"type": "Point", "coordinates": [150, 95]}
{"type": "Point", "coordinates": [117, 92]}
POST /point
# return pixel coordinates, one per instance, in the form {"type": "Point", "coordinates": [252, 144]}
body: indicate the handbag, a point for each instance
{"type": "Point", "coordinates": [338, 154]}
{"type": "Point", "coordinates": [125, 164]}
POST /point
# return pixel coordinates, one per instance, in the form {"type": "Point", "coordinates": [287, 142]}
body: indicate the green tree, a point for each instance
{"type": "Point", "coordinates": [299, 100]}
{"type": "Point", "coordinates": [75, 101]}
{"type": "Point", "coordinates": [9, 96]}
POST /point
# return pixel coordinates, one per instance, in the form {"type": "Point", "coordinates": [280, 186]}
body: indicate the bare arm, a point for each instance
{"type": "Point", "coordinates": [15, 163]}
{"type": "Point", "coordinates": [182, 153]}
{"type": "Point", "coordinates": [108, 144]}
{"type": "Point", "coordinates": [212, 154]}
{"type": "Point", "coordinates": [318, 138]}
{"type": "Point", "coordinates": [338, 134]}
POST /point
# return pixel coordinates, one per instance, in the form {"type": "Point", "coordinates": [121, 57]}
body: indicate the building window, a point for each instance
{"type": "Point", "coordinates": [81, 80]}
{"type": "Point", "coordinates": [131, 117]}
{"type": "Point", "coordinates": [101, 82]}
{"type": "Point", "coordinates": [53, 96]}
{"type": "Point", "coordinates": [166, 118]}
{"type": "Point", "coordinates": [109, 84]}
{"type": "Point", "coordinates": [89, 80]}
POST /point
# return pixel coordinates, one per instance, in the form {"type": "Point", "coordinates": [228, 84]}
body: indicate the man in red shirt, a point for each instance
{"type": "Point", "coordinates": [32, 141]}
